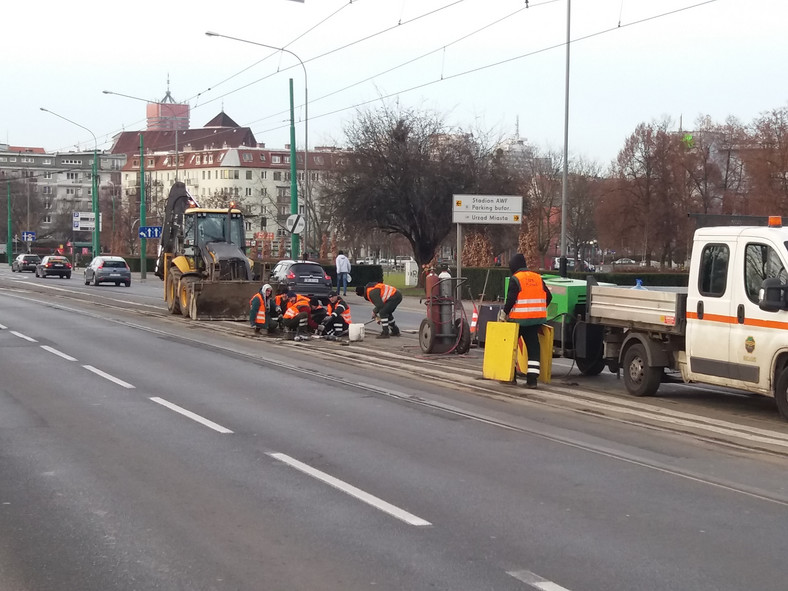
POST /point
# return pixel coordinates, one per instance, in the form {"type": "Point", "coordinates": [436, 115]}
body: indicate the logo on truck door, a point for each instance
{"type": "Point", "coordinates": [749, 344]}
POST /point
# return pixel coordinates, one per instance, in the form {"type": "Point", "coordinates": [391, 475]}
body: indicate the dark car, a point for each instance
{"type": "Point", "coordinates": [108, 269]}
{"type": "Point", "coordinates": [302, 277]}
{"type": "Point", "coordinates": [54, 265]}
{"type": "Point", "coordinates": [25, 262]}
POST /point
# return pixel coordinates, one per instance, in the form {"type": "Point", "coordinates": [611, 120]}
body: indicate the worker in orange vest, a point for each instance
{"type": "Point", "coordinates": [526, 304]}
{"type": "Point", "coordinates": [338, 318]}
{"type": "Point", "coordinates": [385, 299]}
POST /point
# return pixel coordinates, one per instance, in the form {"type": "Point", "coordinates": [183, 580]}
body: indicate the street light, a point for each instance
{"type": "Point", "coordinates": [96, 214]}
{"type": "Point", "coordinates": [294, 194]}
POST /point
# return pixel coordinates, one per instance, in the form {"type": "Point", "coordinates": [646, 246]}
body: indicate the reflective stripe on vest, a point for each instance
{"type": "Point", "coordinates": [293, 309]}
{"type": "Point", "coordinates": [345, 315]}
{"type": "Point", "coordinates": [260, 318]}
{"type": "Point", "coordinates": [386, 291]}
{"type": "Point", "coordinates": [531, 301]}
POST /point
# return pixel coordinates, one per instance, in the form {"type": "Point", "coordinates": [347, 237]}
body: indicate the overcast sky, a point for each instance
{"type": "Point", "coordinates": [484, 64]}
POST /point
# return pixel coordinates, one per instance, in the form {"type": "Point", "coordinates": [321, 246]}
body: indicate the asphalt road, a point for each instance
{"type": "Point", "coordinates": [139, 451]}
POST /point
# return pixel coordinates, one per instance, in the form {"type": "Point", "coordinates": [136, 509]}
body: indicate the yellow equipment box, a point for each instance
{"type": "Point", "coordinates": [500, 350]}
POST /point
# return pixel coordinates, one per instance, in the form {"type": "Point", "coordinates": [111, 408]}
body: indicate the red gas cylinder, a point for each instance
{"type": "Point", "coordinates": [431, 291]}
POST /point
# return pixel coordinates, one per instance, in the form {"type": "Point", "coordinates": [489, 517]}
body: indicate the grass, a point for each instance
{"type": "Point", "coordinates": [397, 279]}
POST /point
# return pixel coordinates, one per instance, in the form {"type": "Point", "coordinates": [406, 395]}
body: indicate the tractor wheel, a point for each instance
{"type": "Point", "coordinates": [171, 292]}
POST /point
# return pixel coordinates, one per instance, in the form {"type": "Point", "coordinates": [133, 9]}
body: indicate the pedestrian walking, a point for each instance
{"type": "Point", "coordinates": [385, 299]}
{"type": "Point", "coordinates": [526, 304]}
{"type": "Point", "coordinates": [343, 272]}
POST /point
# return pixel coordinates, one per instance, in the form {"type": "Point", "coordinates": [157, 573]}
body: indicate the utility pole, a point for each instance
{"type": "Point", "coordinates": [143, 240]}
{"type": "Point", "coordinates": [294, 238]}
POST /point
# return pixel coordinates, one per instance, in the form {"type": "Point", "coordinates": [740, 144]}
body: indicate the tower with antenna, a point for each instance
{"type": "Point", "coordinates": [167, 114]}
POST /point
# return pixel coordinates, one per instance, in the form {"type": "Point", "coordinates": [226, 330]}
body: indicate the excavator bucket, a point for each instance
{"type": "Point", "coordinates": [224, 300]}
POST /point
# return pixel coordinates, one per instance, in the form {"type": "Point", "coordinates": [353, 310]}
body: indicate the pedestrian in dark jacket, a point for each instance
{"type": "Point", "coordinates": [526, 304]}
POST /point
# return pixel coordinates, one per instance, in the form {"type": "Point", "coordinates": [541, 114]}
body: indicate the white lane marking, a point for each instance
{"type": "Point", "coordinates": [3, 327]}
{"type": "Point", "coordinates": [191, 415]}
{"type": "Point", "coordinates": [111, 378]}
{"type": "Point", "coordinates": [372, 500]}
{"type": "Point", "coordinates": [535, 580]}
{"type": "Point", "coordinates": [23, 336]}
{"type": "Point", "coordinates": [59, 353]}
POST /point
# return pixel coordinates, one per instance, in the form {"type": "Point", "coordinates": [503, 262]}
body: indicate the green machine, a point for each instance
{"type": "Point", "coordinates": [573, 337]}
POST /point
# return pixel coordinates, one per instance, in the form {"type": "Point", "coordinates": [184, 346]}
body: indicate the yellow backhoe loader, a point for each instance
{"type": "Point", "coordinates": [202, 260]}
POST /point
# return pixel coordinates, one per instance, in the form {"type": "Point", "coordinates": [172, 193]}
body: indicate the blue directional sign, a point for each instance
{"type": "Point", "coordinates": [28, 236]}
{"type": "Point", "coordinates": [150, 231]}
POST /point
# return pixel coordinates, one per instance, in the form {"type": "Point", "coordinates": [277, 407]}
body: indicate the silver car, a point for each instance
{"type": "Point", "coordinates": [108, 269]}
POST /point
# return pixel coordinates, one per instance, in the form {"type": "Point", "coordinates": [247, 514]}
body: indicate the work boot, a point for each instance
{"type": "Point", "coordinates": [384, 334]}
{"type": "Point", "coordinates": [256, 330]}
{"type": "Point", "coordinates": [530, 381]}
{"type": "Point", "coordinates": [394, 330]}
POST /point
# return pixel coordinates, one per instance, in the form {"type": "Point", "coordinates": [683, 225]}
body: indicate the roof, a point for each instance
{"type": "Point", "coordinates": [220, 132]}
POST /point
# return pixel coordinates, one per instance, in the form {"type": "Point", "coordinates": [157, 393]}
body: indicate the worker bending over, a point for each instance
{"type": "Point", "coordinates": [385, 299]}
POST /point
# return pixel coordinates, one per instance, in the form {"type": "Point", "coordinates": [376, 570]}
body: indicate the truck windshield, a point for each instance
{"type": "Point", "coordinates": [212, 227]}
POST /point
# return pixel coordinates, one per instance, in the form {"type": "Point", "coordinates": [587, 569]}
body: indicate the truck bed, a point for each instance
{"type": "Point", "coordinates": [662, 310]}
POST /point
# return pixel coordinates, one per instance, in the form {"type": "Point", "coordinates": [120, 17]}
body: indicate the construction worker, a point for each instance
{"type": "Point", "coordinates": [257, 309]}
{"type": "Point", "coordinates": [296, 315]}
{"type": "Point", "coordinates": [526, 304]}
{"type": "Point", "coordinates": [385, 299]}
{"type": "Point", "coordinates": [303, 313]}
{"type": "Point", "coordinates": [338, 318]}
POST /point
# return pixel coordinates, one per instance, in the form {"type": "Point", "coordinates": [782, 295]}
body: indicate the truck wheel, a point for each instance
{"type": "Point", "coordinates": [185, 295]}
{"type": "Point", "coordinates": [639, 378]}
{"type": "Point", "coordinates": [590, 367]}
{"type": "Point", "coordinates": [781, 393]}
{"type": "Point", "coordinates": [171, 293]}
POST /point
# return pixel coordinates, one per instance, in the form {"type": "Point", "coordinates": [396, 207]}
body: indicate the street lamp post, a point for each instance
{"type": "Point", "coordinates": [293, 194]}
{"type": "Point", "coordinates": [96, 212]}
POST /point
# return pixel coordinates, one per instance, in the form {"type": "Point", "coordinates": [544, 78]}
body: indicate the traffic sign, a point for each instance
{"type": "Point", "coordinates": [85, 221]}
{"type": "Point", "coordinates": [295, 223]}
{"type": "Point", "coordinates": [487, 209]}
{"type": "Point", "coordinates": [28, 236]}
{"type": "Point", "coordinates": [150, 231]}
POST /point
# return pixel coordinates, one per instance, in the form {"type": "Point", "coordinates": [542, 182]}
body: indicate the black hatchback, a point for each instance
{"type": "Point", "coordinates": [25, 262]}
{"type": "Point", "coordinates": [302, 277]}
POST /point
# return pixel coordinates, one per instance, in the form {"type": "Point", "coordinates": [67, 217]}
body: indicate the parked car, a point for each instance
{"type": "Point", "coordinates": [54, 265]}
{"type": "Point", "coordinates": [625, 262]}
{"type": "Point", "coordinates": [571, 265]}
{"type": "Point", "coordinates": [302, 277]}
{"type": "Point", "coordinates": [25, 262]}
{"type": "Point", "coordinates": [108, 269]}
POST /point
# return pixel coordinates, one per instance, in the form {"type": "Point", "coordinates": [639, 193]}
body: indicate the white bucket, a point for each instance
{"type": "Point", "coordinates": [355, 332]}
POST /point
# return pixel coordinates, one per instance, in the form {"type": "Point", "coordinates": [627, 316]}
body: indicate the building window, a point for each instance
{"type": "Point", "coordinates": [47, 161]}
{"type": "Point", "coordinates": [262, 157]}
{"type": "Point", "coordinates": [209, 175]}
{"type": "Point", "coordinates": [70, 191]}
{"type": "Point", "coordinates": [277, 176]}
{"type": "Point", "coordinates": [47, 175]}
{"type": "Point", "coordinates": [248, 191]}
{"type": "Point", "coordinates": [287, 159]}
{"type": "Point", "coordinates": [264, 191]}
{"type": "Point", "coordinates": [263, 174]}
{"type": "Point", "coordinates": [247, 157]}
{"type": "Point", "coordinates": [276, 159]}
{"type": "Point", "coordinates": [72, 176]}
{"type": "Point", "coordinates": [248, 175]}
{"type": "Point", "coordinates": [47, 219]}
{"type": "Point", "coordinates": [287, 176]}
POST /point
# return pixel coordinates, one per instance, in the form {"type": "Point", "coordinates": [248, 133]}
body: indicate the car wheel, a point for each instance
{"type": "Point", "coordinates": [128, 284]}
{"type": "Point", "coordinates": [68, 276]}
{"type": "Point", "coordinates": [95, 281]}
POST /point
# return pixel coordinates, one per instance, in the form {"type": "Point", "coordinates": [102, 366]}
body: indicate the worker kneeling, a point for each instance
{"type": "Point", "coordinates": [338, 320]}
{"type": "Point", "coordinates": [263, 311]}
{"type": "Point", "coordinates": [303, 314]}
{"type": "Point", "coordinates": [385, 299]}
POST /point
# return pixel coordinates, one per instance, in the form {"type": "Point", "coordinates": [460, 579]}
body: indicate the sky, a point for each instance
{"type": "Point", "coordinates": [493, 66]}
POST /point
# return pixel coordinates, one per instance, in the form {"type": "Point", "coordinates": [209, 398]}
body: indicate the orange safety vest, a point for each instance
{"type": "Point", "coordinates": [293, 309]}
{"type": "Point", "coordinates": [531, 302]}
{"type": "Point", "coordinates": [260, 318]}
{"type": "Point", "coordinates": [345, 315]}
{"type": "Point", "coordinates": [386, 291]}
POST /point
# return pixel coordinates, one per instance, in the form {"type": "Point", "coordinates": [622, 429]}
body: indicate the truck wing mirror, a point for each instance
{"type": "Point", "coordinates": [771, 297]}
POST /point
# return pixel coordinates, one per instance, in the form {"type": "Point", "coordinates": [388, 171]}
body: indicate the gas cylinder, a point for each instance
{"type": "Point", "coordinates": [431, 291]}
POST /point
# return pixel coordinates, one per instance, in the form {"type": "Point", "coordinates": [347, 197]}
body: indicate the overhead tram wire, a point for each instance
{"type": "Point", "coordinates": [558, 45]}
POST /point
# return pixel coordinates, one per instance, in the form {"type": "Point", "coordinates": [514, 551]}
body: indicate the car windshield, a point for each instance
{"type": "Point", "coordinates": [307, 269]}
{"type": "Point", "coordinates": [115, 264]}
